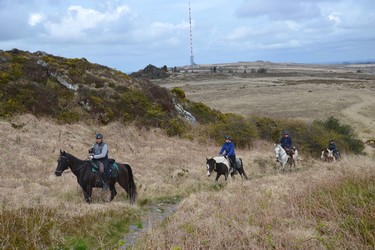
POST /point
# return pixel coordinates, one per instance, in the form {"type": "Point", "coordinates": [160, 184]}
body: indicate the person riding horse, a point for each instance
{"type": "Point", "coordinates": [228, 147]}
{"type": "Point", "coordinates": [99, 152]}
{"type": "Point", "coordinates": [286, 143]}
{"type": "Point", "coordinates": [333, 148]}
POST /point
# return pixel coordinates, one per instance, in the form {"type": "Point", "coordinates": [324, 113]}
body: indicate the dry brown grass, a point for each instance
{"type": "Point", "coordinates": [260, 213]}
{"type": "Point", "coordinates": [264, 213]}
{"type": "Point", "coordinates": [269, 211]}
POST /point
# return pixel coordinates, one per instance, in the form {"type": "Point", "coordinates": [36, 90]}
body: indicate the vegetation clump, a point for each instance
{"type": "Point", "coordinates": [72, 90]}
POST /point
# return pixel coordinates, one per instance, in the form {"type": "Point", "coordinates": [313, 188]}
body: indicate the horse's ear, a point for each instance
{"type": "Point", "coordinates": [60, 151]}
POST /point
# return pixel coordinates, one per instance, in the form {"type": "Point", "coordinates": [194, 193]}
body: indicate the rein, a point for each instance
{"type": "Point", "coordinates": [280, 155]}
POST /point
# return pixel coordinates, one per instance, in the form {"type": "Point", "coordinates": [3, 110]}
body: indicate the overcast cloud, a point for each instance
{"type": "Point", "coordinates": [129, 35]}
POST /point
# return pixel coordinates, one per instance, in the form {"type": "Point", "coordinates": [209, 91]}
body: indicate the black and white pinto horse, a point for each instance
{"type": "Point", "coordinates": [221, 166]}
{"type": "Point", "coordinates": [327, 155]}
{"type": "Point", "coordinates": [284, 159]}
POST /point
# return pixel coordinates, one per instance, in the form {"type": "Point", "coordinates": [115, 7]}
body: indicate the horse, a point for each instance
{"type": "Point", "coordinates": [221, 166]}
{"type": "Point", "coordinates": [283, 158]}
{"type": "Point", "coordinates": [328, 155]}
{"type": "Point", "coordinates": [88, 179]}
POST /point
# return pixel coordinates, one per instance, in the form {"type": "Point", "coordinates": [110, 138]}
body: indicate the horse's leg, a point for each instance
{"type": "Point", "coordinates": [86, 195]}
{"type": "Point", "coordinates": [282, 167]}
{"type": "Point", "coordinates": [217, 177]}
{"type": "Point", "coordinates": [89, 193]}
{"type": "Point", "coordinates": [243, 174]}
{"type": "Point", "coordinates": [113, 191]}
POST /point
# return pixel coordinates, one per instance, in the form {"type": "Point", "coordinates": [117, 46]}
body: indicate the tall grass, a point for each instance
{"type": "Point", "coordinates": [319, 206]}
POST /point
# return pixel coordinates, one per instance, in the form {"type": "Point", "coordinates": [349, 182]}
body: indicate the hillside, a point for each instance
{"type": "Point", "coordinates": [72, 90]}
{"type": "Point", "coordinates": [50, 104]}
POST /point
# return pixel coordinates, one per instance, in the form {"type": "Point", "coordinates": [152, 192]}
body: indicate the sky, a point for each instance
{"type": "Point", "coordinates": [129, 35]}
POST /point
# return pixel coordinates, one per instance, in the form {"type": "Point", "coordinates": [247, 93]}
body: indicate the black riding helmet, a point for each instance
{"type": "Point", "coordinates": [99, 136]}
{"type": "Point", "coordinates": [227, 137]}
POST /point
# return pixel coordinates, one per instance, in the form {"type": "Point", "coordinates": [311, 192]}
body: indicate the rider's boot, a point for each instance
{"type": "Point", "coordinates": [235, 169]}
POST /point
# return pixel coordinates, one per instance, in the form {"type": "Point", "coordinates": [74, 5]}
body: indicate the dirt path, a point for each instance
{"type": "Point", "coordinates": [153, 216]}
{"type": "Point", "coordinates": [362, 116]}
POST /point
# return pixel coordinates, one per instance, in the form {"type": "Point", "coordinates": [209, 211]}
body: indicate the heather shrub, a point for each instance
{"type": "Point", "coordinates": [68, 117]}
{"type": "Point", "coordinates": [344, 134]}
{"type": "Point", "coordinates": [242, 131]}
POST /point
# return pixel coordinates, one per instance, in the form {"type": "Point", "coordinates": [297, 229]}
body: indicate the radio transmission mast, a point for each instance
{"type": "Point", "coordinates": [191, 40]}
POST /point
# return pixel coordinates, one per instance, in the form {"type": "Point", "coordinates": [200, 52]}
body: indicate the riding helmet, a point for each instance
{"type": "Point", "coordinates": [227, 137]}
{"type": "Point", "coordinates": [99, 136]}
{"type": "Point", "coordinates": [286, 132]}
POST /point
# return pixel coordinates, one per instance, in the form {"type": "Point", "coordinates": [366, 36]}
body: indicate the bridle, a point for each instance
{"type": "Point", "coordinates": [68, 163]}
{"type": "Point", "coordinates": [279, 153]}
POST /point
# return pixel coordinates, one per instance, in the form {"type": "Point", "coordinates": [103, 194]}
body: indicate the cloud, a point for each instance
{"type": "Point", "coordinates": [78, 21]}
{"type": "Point", "coordinates": [279, 10]}
{"type": "Point", "coordinates": [35, 18]}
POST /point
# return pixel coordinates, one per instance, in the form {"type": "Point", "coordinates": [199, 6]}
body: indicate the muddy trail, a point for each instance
{"type": "Point", "coordinates": [152, 216]}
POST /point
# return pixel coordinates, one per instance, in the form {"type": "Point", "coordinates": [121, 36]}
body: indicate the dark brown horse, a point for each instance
{"type": "Point", "coordinates": [221, 166]}
{"type": "Point", "coordinates": [88, 179]}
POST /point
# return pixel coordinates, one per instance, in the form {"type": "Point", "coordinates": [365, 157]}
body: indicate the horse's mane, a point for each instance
{"type": "Point", "coordinates": [73, 158]}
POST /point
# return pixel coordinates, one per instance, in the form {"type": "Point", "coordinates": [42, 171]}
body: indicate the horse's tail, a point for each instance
{"type": "Point", "coordinates": [131, 184]}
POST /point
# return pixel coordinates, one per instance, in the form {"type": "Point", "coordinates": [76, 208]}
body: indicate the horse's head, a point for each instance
{"type": "Point", "coordinates": [210, 164]}
{"type": "Point", "coordinates": [62, 163]}
{"type": "Point", "coordinates": [278, 150]}
{"type": "Point", "coordinates": [324, 154]}
{"type": "Point", "coordinates": [327, 155]}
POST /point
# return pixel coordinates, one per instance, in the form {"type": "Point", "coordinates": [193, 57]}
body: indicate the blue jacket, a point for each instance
{"type": "Point", "coordinates": [286, 142]}
{"type": "Point", "coordinates": [228, 147]}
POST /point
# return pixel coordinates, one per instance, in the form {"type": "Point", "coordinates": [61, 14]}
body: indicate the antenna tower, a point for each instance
{"type": "Point", "coordinates": [191, 40]}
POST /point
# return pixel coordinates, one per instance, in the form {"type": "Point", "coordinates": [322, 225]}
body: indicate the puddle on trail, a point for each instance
{"type": "Point", "coordinates": [154, 214]}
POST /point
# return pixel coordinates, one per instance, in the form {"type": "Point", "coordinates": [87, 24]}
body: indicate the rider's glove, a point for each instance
{"type": "Point", "coordinates": [91, 157]}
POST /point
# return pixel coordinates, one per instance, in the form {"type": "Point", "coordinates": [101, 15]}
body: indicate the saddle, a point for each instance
{"type": "Point", "coordinates": [98, 166]}
{"type": "Point", "coordinates": [290, 151]}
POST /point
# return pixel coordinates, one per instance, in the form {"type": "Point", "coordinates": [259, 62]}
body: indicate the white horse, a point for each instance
{"type": "Point", "coordinates": [283, 158]}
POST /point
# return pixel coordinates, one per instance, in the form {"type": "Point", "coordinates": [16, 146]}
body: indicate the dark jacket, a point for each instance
{"type": "Point", "coordinates": [332, 146]}
{"type": "Point", "coordinates": [286, 142]}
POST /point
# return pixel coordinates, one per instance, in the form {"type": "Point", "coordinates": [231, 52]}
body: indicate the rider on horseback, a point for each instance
{"type": "Point", "coordinates": [286, 143]}
{"type": "Point", "coordinates": [333, 148]}
{"type": "Point", "coordinates": [99, 152]}
{"type": "Point", "coordinates": [228, 147]}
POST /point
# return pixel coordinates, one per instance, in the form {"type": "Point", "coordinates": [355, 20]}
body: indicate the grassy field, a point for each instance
{"type": "Point", "coordinates": [318, 206]}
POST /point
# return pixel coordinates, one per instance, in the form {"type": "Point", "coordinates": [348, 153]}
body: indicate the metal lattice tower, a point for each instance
{"type": "Point", "coordinates": [191, 40]}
